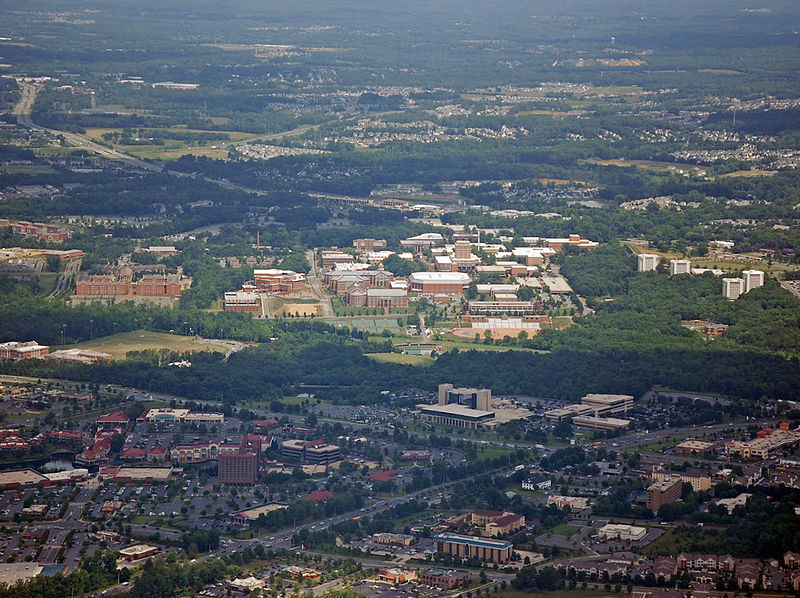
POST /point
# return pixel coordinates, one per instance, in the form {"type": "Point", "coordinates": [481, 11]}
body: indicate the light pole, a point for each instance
{"type": "Point", "coordinates": [63, 326]}
{"type": "Point", "coordinates": [91, 329]}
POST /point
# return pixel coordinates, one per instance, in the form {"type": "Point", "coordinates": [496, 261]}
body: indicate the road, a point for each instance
{"type": "Point", "coordinates": [426, 338]}
{"type": "Point", "coordinates": [70, 522]}
{"type": "Point", "coordinates": [325, 301]}
{"type": "Point", "coordinates": [64, 281]}
{"type": "Point", "coordinates": [23, 113]}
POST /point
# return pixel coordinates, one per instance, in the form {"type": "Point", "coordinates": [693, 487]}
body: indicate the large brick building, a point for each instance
{"type": "Point", "coordinates": [123, 287]}
{"type": "Point", "coordinates": [483, 549]}
{"type": "Point", "coordinates": [276, 281]}
{"type": "Point", "coordinates": [238, 469]}
{"type": "Point", "coordinates": [663, 492]}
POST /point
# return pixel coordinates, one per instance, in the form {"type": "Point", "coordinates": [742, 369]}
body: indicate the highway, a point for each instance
{"type": "Point", "coordinates": [23, 113]}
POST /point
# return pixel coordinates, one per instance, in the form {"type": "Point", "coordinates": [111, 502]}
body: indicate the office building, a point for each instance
{"type": "Point", "coordinates": [661, 493]}
{"type": "Point", "coordinates": [482, 549]}
{"type": "Point", "coordinates": [314, 452]}
{"type": "Point", "coordinates": [646, 262]}
{"type": "Point", "coordinates": [445, 578]}
{"type": "Point", "coordinates": [238, 469]}
{"type": "Point", "coordinates": [622, 532]}
{"type": "Point", "coordinates": [680, 267]}
{"type": "Point", "coordinates": [732, 288]}
{"type": "Point", "coordinates": [752, 280]}
{"type": "Point", "coordinates": [473, 398]}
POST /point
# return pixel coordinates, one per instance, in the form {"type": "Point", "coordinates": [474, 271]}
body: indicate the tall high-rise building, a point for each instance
{"type": "Point", "coordinates": [646, 262]}
{"type": "Point", "coordinates": [664, 492]}
{"type": "Point", "coordinates": [732, 288]}
{"type": "Point", "coordinates": [680, 267]}
{"type": "Point", "coordinates": [473, 398]}
{"type": "Point", "coordinates": [752, 280]}
{"type": "Point", "coordinates": [238, 469]}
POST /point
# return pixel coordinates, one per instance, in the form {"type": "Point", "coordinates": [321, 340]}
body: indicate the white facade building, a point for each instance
{"type": "Point", "coordinates": [732, 288]}
{"type": "Point", "coordinates": [646, 262]}
{"type": "Point", "coordinates": [680, 267]}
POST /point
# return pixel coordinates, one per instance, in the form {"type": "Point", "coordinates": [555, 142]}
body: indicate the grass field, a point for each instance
{"type": "Point", "coordinates": [119, 344]}
{"type": "Point", "coordinates": [646, 165]}
{"type": "Point", "coordinates": [401, 358]}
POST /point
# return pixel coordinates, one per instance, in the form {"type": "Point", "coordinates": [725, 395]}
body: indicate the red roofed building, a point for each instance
{"type": "Point", "coordinates": [96, 454]}
{"type": "Point", "coordinates": [384, 476]}
{"type": "Point", "coordinates": [303, 431]}
{"type": "Point", "coordinates": [133, 454]}
{"type": "Point", "coordinates": [118, 419]}
{"type": "Point", "coordinates": [157, 454]}
{"type": "Point", "coordinates": [319, 495]}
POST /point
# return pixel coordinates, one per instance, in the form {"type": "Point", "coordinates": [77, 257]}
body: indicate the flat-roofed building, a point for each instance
{"type": "Point", "coordinates": [680, 267]}
{"type": "Point", "coordinates": [423, 241]}
{"type": "Point", "coordinates": [576, 503]}
{"type": "Point", "coordinates": [446, 579]}
{"type": "Point", "coordinates": [567, 412]}
{"type": "Point", "coordinates": [646, 262]}
{"type": "Point", "coordinates": [439, 283]}
{"type": "Point", "coordinates": [600, 423]}
{"type": "Point", "coordinates": [23, 350]}
{"type": "Point", "coordinates": [394, 539]}
{"type": "Point", "coordinates": [752, 280]}
{"type": "Point", "coordinates": [143, 475]}
{"type": "Point", "coordinates": [276, 281]}
{"type": "Point", "coordinates": [661, 493]}
{"type": "Point", "coordinates": [20, 477]}
{"type": "Point", "coordinates": [482, 549]}
{"type": "Point", "coordinates": [368, 245]}
{"type": "Point", "coordinates": [474, 398]}
{"type": "Point", "coordinates": [137, 552]}
{"type": "Point", "coordinates": [169, 415]}
{"type": "Point", "coordinates": [457, 416]}
{"type": "Point", "coordinates": [608, 403]}
{"type": "Point", "coordinates": [330, 259]}
{"type": "Point", "coordinates": [386, 298]}
{"type": "Point", "coordinates": [314, 451]}
{"type": "Point", "coordinates": [504, 305]}
{"type": "Point", "coordinates": [732, 288]}
{"type": "Point", "coordinates": [622, 532]}
{"type": "Point", "coordinates": [243, 301]}
{"type": "Point", "coordinates": [763, 447]}
{"type": "Point", "coordinates": [238, 469]}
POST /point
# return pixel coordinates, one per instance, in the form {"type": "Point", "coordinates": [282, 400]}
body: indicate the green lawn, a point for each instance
{"type": "Point", "coordinates": [118, 345]}
{"type": "Point", "coordinates": [564, 530]}
{"type": "Point", "coordinates": [401, 358]}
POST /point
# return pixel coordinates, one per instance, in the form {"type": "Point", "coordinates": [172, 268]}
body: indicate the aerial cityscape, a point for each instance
{"type": "Point", "coordinates": [347, 299]}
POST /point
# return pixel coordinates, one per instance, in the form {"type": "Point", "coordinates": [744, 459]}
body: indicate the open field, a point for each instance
{"type": "Point", "coordinates": [298, 309]}
{"type": "Point", "coordinates": [32, 170]}
{"type": "Point", "coordinates": [401, 358]}
{"type": "Point", "coordinates": [647, 165]}
{"type": "Point", "coordinates": [119, 344]}
{"type": "Point", "coordinates": [748, 173]}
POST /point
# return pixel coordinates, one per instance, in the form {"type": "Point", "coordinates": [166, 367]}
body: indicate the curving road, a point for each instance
{"type": "Point", "coordinates": [23, 113]}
